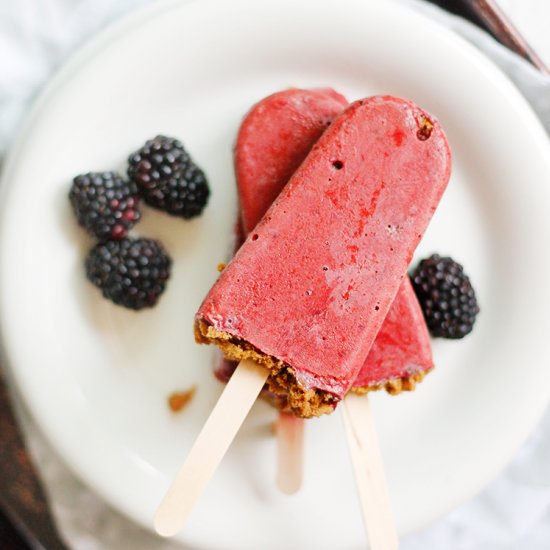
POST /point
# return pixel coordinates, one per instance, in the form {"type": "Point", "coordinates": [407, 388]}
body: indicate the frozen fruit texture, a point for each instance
{"type": "Point", "coordinates": [401, 353]}
{"type": "Point", "coordinates": [273, 140]}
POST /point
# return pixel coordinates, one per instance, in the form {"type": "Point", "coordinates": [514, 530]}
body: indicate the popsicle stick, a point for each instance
{"type": "Point", "coordinates": [369, 473]}
{"type": "Point", "coordinates": [210, 446]}
{"type": "Point", "coordinates": [290, 452]}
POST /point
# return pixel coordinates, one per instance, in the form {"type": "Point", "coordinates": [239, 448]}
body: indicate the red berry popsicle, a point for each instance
{"type": "Point", "coordinates": [307, 293]}
{"type": "Point", "coordinates": [274, 138]}
{"type": "Point", "coordinates": [304, 298]}
{"type": "Point", "coordinates": [402, 353]}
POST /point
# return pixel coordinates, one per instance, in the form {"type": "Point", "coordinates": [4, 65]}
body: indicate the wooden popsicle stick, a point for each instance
{"type": "Point", "coordinates": [210, 446]}
{"type": "Point", "coordinates": [290, 452]}
{"type": "Point", "coordinates": [369, 473]}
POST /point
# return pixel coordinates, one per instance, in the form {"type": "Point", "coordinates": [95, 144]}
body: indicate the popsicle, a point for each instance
{"type": "Point", "coordinates": [303, 299]}
{"type": "Point", "coordinates": [307, 293]}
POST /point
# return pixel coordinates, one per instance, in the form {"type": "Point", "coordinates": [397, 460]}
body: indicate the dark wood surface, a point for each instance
{"type": "Point", "coordinates": [25, 521]}
{"type": "Point", "coordinates": [10, 539]}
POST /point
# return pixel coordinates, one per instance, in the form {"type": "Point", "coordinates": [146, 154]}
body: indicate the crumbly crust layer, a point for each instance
{"type": "Point", "coordinates": [394, 386]}
{"type": "Point", "coordinates": [282, 389]}
{"type": "Point", "coordinates": [305, 403]}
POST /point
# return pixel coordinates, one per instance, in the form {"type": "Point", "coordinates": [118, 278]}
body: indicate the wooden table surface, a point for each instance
{"type": "Point", "coordinates": [25, 520]}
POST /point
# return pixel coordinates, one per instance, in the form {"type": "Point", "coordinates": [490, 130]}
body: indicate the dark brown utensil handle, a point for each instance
{"type": "Point", "coordinates": [498, 23]}
{"type": "Point", "coordinates": [488, 15]}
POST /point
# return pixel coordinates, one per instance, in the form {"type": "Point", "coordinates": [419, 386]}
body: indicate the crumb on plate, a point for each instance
{"type": "Point", "coordinates": [178, 400]}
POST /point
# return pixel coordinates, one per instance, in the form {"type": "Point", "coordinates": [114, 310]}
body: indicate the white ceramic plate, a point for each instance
{"type": "Point", "coordinates": [96, 377]}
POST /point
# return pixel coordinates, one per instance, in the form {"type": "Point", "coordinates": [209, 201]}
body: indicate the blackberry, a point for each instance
{"type": "Point", "coordinates": [446, 296]}
{"type": "Point", "coordinates": [168, 179]}
{"type": "Point", "coordinates": [105, 205]}
{"type": "Point", "coordinates": [129, 272]}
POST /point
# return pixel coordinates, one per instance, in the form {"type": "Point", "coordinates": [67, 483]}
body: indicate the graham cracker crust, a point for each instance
{"type": "Point", "coordinates": [282, 389]}
{"type": "Point", "coordinates": [304, 403]}
{"type": "Point", "coordinates": [394, 386]}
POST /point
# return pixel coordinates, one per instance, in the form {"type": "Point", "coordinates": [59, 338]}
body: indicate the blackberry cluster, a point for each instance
{"type": "Point", "coordinates": [104, 204]}
{"type": "Point", "coordinates": [129, 272]}
{"type": "Point", "coordinates": [168, 179]}
{"type": "Point", "coordinates": [446, 296]}
{"type": "Point", "coordinates": [133, 272]}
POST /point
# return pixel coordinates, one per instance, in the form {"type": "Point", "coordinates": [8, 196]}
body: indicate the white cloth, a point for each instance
{"type": "Point", "coordinates": [36, 36]}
